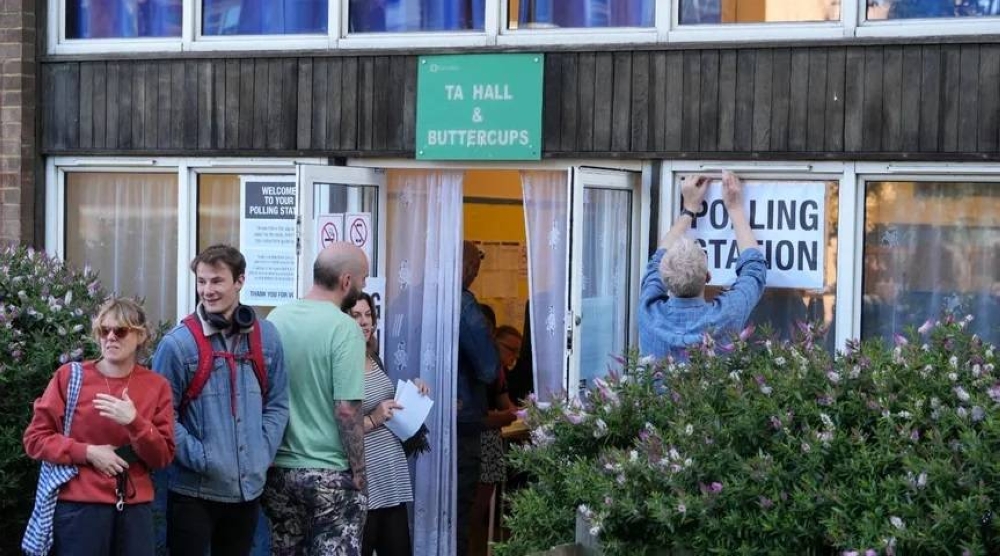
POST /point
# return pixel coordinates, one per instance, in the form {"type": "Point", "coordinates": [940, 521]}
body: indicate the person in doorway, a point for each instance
{"type": "Point", "coordinates": [387, 526]}
{"type": "Point", "coordinates": [673, 313]}
{"type": "Point", "coordinates": [316, 492]}
{"type": "Point", "coordinates": [478, 364]}
{"type": "Point", "coordinates": [120, 429]}
{"type": "Point", "coordinates": [230, 393]}
{"type": "Point", "coordinates": [500, 414]}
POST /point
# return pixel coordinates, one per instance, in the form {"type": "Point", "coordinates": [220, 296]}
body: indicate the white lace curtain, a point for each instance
{"type": "Point", "coordinates": [423, 284]}
{"type": "Point", "coordinates": [546, 220]}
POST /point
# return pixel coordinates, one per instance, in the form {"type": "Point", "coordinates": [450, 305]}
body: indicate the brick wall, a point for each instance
{"type": "Point", "coordinates": [18, 101]}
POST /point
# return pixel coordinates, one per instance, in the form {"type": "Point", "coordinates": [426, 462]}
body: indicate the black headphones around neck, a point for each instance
{"type": "Point", "coordinates": [243, 317]}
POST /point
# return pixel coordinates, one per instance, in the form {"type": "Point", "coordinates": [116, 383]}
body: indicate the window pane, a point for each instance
{"type": "Point", "coordinates": [607, 225]}
{"type": "Point", "coordinates": [124, 226]}
{"type": "Point", "coordinates": [528, 14]}
{"type": "Point", "coordinates": [931, 247]}
{"type": "Point", "coordinates": [398, 16]}
{"type": "Point", "coordinates": [112, 19]}
{"type": "Point", "coordinates": [219, 214]}
{"type": "Point", "coordinates": [912, 9]}
{"type": "Point", "coordinates": [264, 17]}
{"type": "Point", "coordinates": [782, 309]}
{"type": "Point", "coordinates": [758, 11]}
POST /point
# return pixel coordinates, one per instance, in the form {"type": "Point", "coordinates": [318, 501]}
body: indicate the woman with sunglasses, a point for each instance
{"type": "Point", "coordinates": [121, 429]}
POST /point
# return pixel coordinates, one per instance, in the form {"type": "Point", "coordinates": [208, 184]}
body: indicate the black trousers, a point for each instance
{"type": "Point", "coordinates": [468, 459]}
{"type": "Point", "coordinates": [387, 531]}
{"type": "Point", "coordinates": [194, 525]}
{"type": "Point", "coordinates": [83, 529]}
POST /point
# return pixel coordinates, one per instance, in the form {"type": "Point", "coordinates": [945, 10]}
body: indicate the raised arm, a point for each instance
{"type": "Point", "coordinates": [732, 196]}
{"type": "Point", "coordinates": [693, 190]}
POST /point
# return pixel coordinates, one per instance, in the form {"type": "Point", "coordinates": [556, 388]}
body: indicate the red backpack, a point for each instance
{"type": "Point", "coordinates": [206, 360]}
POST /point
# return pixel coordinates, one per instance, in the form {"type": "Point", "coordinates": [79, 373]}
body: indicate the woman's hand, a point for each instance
{"type": "Point", "coordinates": [383, 411]}
{"type": "Point", "coordinates": [121, 411]}
{"type": "Point", "coordinates": [104, 459]}
{"type": "Point", "coordinates": [422, 387]}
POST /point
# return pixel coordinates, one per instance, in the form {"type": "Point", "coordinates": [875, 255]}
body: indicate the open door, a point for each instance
{"type": "Point", "coordinates": [338, 203]}
{"type": "Point", "coordinates": [606, 265]}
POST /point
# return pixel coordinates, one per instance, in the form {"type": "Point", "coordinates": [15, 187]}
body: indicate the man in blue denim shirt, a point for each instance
{"type": "Point", "coordinates": [227, 436]}
{"type": "Point", "coordinates": [478, 364]}
{"type": "Point", "coordinates": [673, 313]}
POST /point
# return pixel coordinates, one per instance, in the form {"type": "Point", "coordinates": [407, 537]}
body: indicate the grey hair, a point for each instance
{"type": "Point", "coordinates": [683, 268]}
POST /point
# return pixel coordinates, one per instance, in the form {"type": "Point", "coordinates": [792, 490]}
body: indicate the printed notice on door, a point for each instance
{"type": "Point", "coordinates": [267, 239]}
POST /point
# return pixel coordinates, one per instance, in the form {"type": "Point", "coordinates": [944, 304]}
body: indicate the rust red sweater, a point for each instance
{"type": "Point", "coordinates": [151, 433]}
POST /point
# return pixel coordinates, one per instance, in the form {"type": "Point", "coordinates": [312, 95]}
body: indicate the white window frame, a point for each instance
{"type": "Point", "coordinates": [666, 29]}
{"type": "Point", "coordinates": [917, 172]}
{"type": "Point", "coordinates": [186, 170]}
{"type": "Point", "coordinates": [848, 248]}
{"type": "Point", "coordinates": [419, 39]}
{"type": "Point", "coordinates": [607, 35]}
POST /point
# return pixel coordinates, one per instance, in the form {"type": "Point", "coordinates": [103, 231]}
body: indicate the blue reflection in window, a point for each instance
{"type": "Point", "coordinates": [111, 19]}
{"type": "Point", "coordinates": [398, 16]}
{"type": "Point", "coordinates": [915, 9]}
{"type": "Point", "coordinates": [264, 17]}
{"type": "Point", "coordinates": [586, 13]}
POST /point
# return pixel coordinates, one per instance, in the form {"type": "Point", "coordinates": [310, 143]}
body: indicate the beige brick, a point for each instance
{"type": "Point", "coordinates": [10, 197]}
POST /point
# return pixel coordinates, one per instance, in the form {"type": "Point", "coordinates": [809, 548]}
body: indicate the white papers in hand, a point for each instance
{"type": "Point", "coordinates": [406, 422]}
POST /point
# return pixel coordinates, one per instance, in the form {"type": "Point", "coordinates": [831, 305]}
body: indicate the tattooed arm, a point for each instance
{"type": "Point", "coordinates": [350, 423]}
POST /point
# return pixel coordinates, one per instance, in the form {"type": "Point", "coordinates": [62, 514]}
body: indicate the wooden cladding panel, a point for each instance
{"type": "Point", "coordinates": [932, 101]}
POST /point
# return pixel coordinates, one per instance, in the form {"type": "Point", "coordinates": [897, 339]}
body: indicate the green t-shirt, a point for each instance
{"type": "Point", "coordinates": [325, 362]}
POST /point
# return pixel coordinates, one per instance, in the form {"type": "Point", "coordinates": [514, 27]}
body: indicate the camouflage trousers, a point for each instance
{"type": "Point", "coordinates": [314, 512]}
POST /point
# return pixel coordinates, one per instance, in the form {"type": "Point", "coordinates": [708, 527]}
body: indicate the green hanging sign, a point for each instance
{"type": "Point", "coordinates": [480, 107]}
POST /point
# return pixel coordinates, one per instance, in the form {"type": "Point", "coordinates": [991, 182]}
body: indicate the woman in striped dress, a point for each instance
{"type": "Point", "coordinates": [387, 529]}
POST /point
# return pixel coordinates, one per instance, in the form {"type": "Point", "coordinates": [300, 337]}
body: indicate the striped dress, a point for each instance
{"type": "Point", "coordinates": [388, 474]}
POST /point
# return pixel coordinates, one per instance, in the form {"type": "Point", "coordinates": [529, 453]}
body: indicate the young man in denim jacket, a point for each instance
{"type": "Point", "coordinates": [228, 434]}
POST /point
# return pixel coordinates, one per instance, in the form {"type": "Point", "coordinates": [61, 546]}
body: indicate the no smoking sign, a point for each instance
{"type": "Point", "coordinates": [358, 229]}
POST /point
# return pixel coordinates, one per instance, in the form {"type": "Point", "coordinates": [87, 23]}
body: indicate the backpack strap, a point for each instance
{"type": "Point", "coordinates": [205, 361]}
{"type": "Point", "coordinates": [257, 358]}
{"type": "Point", "coordinates": [72, 395]}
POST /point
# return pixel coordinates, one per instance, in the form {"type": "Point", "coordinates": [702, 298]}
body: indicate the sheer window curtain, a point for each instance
{"type": "Point", "coordinates": [607, 225]}
{"type": "Point", "coordinates": [125, 227]}
{"type": "Point", "coordinates": [546, 221]}
{"type": "Point", "coordinates": [423, 284]}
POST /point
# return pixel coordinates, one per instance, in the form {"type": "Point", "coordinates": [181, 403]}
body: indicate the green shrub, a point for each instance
{"type": "Point", "coordinates": [45, 312]}
{"type": "Point", "coordinates": [761, 447]}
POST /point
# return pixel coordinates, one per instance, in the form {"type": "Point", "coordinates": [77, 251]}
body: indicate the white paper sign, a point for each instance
{"type": "Point", "coordinates": [358, 230]}
{"type": "Point", "coordinates": [788, 219]}
{"type": "Point", "coordinates": [406, 422]}
{"type": "Point", "coordinates": [329, 229]}
{"type": "Point", "coordinates": [267, 239]}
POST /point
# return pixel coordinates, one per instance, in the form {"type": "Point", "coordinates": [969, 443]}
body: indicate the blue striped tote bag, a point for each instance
{"type": "Point", "coordinates": [38, 536]}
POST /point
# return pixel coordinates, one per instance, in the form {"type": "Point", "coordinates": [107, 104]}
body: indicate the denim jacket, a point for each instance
{"type": "Point", "coordinates": [478, 361]}
{"type": "Point", "coordinates": [221, 456]}
{"type": "Point", "coordinates": [668, 325]}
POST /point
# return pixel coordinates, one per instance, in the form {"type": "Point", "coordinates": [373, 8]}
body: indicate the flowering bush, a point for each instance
{"type": "Point", "coordinates": [763, 447]}
{"type": "Point", "coordinates": [45, 311]}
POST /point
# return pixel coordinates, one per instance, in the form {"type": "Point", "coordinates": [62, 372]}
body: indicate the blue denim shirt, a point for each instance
{"type": "Point", "coordinates": [668, 325]}
{"type": "Point", "coordinates": [478, 361]}
{"type": "Point", "coordinates": [221, 457]}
